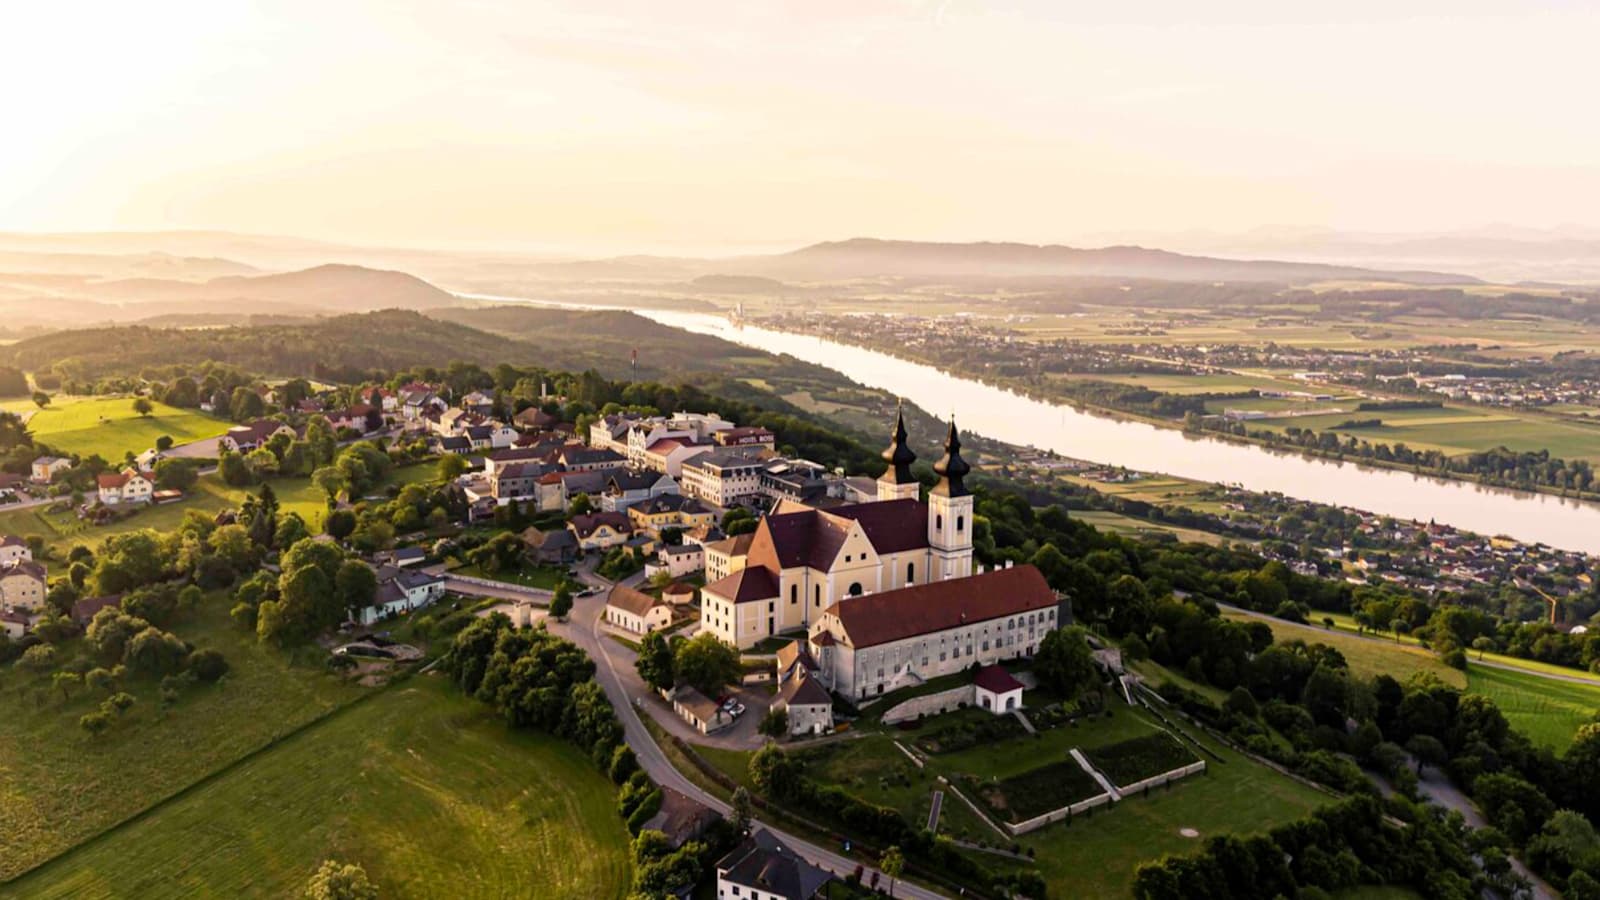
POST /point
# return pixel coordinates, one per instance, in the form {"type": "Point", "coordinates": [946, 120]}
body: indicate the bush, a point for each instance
{"type": "Point", "coordinates": [208, 665]}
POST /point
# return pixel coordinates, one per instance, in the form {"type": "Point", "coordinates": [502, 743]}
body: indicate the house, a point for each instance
{"type": "Point", "coordinates": [406, 557]}
{"type": "Point", "coordinates": [84, 611]}
{"type": "Point", "coordinates": [601, 531]}
{"type": "Point", "coordinates": [46, 468]}
{"type": "Point", "coordinates": [723, 479]}
{"type": "Point", "coordinates": [124, 488]}
{"type": "Point", "coordinates": [516, 481]}
{"type": "Point", "coordinates": [251, 436]}
{"type": "Point", "coordinates": [762, 868]}
{"type": "Point", "coordinates": [399, 591]}
{"type": "Point", "coordinates": [669, 511]}
{"type": "Point", "coordinates": [802, 560]}
{"type": "Point", "coordinates": [557, 490]}
{"type": "Point", "coordinates": [556, 547]}
{"type": "Point", "coordinates": [362, 418]}
{"type": "Point", "coordinates": [681, 818]}
{"type": "Point", "coordinates": [534, 419]}
{"type": "Point", "coordinates": [996, 690]}
{"type": "Point", "coordinates": [636, 611]}
{"type": "Point", "coordinates": [14, 624]}
{"type": "Point", "coordinates": [678, 594]}
{"type": "Point", "coordinates": [706, 716]}
{"type": "Point", "coordinates": [578, 458]}
{"type": "Point", "coordinates": [478, 402]}
{"type": "Point", "coordinates": [867, 645]}
{"type": "Point", "coordinates": [417, 400]}
{"type": "Point", "coordinates": [625, 487]}
{"type": "Point", "coordinates": [670, 453]}
{"type": "Point", "coordinates": [23, 585]}
{"type": "Point", "coordinates": [456, 445]}
{"type": "Point", "coordinates": [681, 559]}
{"type": "Point", "coordinates": [727, 556]}
{"type": "Point", "coordinates": [748, 437]}
{"type": "Point", "coordinates": [800, 693]}
{"type": "Point", "coordinates": [13, 549]}
{"type": "Point", "coordinates": [382, 398]}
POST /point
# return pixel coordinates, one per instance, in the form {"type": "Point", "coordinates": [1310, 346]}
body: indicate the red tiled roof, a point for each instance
{"type": "Point", "coordinates": [941, 605]}
{"type": "Point", "coordinates": [892, 526]}
{"type": "Point", "coordinates": [745, 585]}
{"type": "Point", "coordinates": [810, 537]}
{"type": "Point", "coordinates": [996, 680]}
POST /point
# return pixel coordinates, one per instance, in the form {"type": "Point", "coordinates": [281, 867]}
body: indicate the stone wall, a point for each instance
{"type": "Point", "coordinates": [929, 704]}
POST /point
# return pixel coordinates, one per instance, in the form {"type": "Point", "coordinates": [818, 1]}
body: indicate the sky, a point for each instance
{"type": "Point", "coordinates": [691, 127]}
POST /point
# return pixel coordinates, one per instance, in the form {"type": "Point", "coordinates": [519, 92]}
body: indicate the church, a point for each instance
{"type": "Point", "coordinates": [802, 561]}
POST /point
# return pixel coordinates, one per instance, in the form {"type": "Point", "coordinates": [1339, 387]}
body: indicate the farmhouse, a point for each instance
{"type": "Point", "coordinates": [22, 585]}
{"type": "Point", "coordinates": [244, 438]}
{"type": "Point", "coordinates": [46, 468]}
{"type": "Point", "coordinates": [802, 560]}
{"type": "Point", "coordinates": [123, 488]}
{"type": "Point", "coordinates": [399, 591]}
{"type": "Point", "coordinates": [763, 868]}
{"type": "Point", "coordinates": [865, 646]}
{"type": "Point", "coordinates": [636, 611]}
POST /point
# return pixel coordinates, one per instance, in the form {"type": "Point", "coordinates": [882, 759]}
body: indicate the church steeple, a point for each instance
{"type": "Point", "coordinates": [951, 468]}
{"type": "Point", "coordinates": [897, 482]}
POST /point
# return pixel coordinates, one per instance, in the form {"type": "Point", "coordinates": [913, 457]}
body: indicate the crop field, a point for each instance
{"type": "Point", "coordinates": [1548, 711]}
{"type": "Point", "coordinates": [1365, 657]}
{"type": "Point", "coordinates": [1457, 430]}
{"type": "Point", "coordinates": [111, 429]}
{"type": "Point", "coordinates": [59, 786]}
{"type": "Point", "coordinates": [431, 793]}
{"type": "Point", "coordinates": [1121, 524]}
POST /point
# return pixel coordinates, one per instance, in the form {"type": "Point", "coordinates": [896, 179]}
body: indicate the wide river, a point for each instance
{"type": "Point", "coordinates": [1007, 416]}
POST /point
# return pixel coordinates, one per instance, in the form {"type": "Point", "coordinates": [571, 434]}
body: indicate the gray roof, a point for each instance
{"type": "Point", "coordinates": [764, 863]}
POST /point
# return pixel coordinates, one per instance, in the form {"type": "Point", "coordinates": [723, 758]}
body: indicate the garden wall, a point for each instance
{"type": "Point", "coordinates": [1065, 812]}
{"type": "Point", "coordinates": [1163, 778]}
{"type": "Point", "coordinates": [929, 704]}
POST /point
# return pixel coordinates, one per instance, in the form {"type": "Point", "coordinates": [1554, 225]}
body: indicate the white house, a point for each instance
{"type": "Point", "coordinates": [400, 591]}
{"type": "Point", "coordinates": [22, 585]}
{"type": "Point", "coordinates": [13, 549]}
{"type": "Point", "coordinates": [14, 624]}
{"type": "Point", "coordinates": [636, 611]}
{"type": "Point", "coordinates": [800, 693]}
{"type": "Point", "coordinates": [245, 438]}
{"type": "Point", "coordinates": [997, 691]}
{"type": "Point", "coordinates": [762, 868]}
{"type": "Point", "coordinates": [46, 468]}
{"type": "Point", "coordinates": [124, 488]}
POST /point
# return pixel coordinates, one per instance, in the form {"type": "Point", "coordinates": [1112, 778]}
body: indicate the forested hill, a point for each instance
{"type": "Point", "coordinates": [347, 347]}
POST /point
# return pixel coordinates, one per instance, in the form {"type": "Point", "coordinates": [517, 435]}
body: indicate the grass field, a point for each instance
{"type": "Point", "coordinates": [1549, 712]}
{"type": "Point", "coordinates": [1366, 658]}
{"type": "Point", "coordinates": [1456, 430]}
{"type": "Point", "coordinates": [431, 793]}
{"type": "Point", "coordinates": [111, 429]}
{"type": "Point", "coordinates": [57, 786]}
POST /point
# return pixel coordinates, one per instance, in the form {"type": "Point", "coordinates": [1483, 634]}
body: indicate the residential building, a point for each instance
{"type": "Point", "coordinates": [556, 547]}
{"type": "Point", "coordinates": [13, 549]}
{"type": "Point", "coordinates": [625, 487]}
{"type": "Point", "coordinates": [601, 531]}
{"type": "Point", "coordinates": [578, 458]}
{"type": "Point", "coordinates": [14, 624]}
{"type": "Point", "coordinates": [800, 693]}
{"type": "Point", "coordinates": [763, 868]}
{"type": "Point", "coordinates": [46, 468]}
{"type": "Point", "coordinates": [23, 584]}
{"type": "Point", "coordinates": [636, 611]}
{"type": "Point", "coordinates": [681, 559]}
{"type": "Point", "coordinates": [669, 511]}
{"type": "Point", "coordinates": [704, 714]}
{"type": "Point", "coordinates": [804, 560]}
{"type": "Point", "coordinates": [516, 481]}
{"type": "Point", "coordinates": [248, 437]}
{"type": "Point", "coordinates": [124, 488]}
{"type": "Point", "coordinates": [400, 591]}
{"type": "Point", "coordinates": [727, 556]}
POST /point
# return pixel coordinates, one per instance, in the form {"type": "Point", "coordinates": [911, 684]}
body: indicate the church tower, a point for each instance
{"type": "Point", "coordinates": [896, 482]}
{"type": "Point", "coordinates": [950, 513]}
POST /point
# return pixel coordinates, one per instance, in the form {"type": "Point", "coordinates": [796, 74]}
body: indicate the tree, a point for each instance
{"type": "Point", "coordinates": [1428, 751]}
{"type": "Point", "coordinates": [38, 659]}
{"type": "Point", "coordinates": [356, 584]}
{"type": "Point", "coordinates": [65, 682]}
{"type": "Point", "coordinates": [892, 864]}
{"type": "Point", "coordinates": [208, 665]}
{"type": "Point", "coordinates": [176, 474]}
{"type": "Point", "coordinates": [330, 481]}
{"type": "Point", "coordinates": [340, 881]}
{"type": "Point", "coordinates": [1064, 662]}
{"type": "Point", "coordinates": [706, 663]}
{"type": "Point", "coordinates": [741, 812]}
{"type": "Point", "coordinates": [118, 703]}
{"type": "Point", "coordinates": [561, 602]}
{"type": "Point", "coordinates": [451, 466]}
{"type": "Point", "coordinates": [775, 724]}
{"type": "Point", "coordinates": [581, 505]}
{"type": "Point", "coordinates": [142, 406]}
{"type": "Point", "coordinates": [41, 399]}
{"type": "Point", "coordinates": [339, 524]}
{"type": "Point", "coordinates": [655, 661]}
{"type": "Point", "coordinates": [156, 652]}
{"type": "Point", "coordinates": [95, 723]}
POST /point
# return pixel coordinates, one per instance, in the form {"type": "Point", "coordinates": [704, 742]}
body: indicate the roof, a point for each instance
{"type": "Point", "coordinates": [804, 690]}
{"type": "Point", "coordinates": [723, 459]}
{"type": "Point", "coordinates": [255, 432]}
{"type": "Point", "coordinates": [681, 819]}
{"type": "Point", "coordinates": [762, 862]}
{"type": "Point", "coordinates": [585, 525]}
{"type": "Point", "coordinates": [11, 540]}
{"type": "Point", "coordinates": [738, 545]}
{"type": "Point", "coordinates": [579, 455]}
{"type": "Point", "coordinates": [13, 616]}
{"type": "Point", "coordinates": [113, 480]}
{"type": "Point", "coordinates": [84, 610]}
{"type": "Point", "coordinates": [893, 526]}
{"type": "Point", "coordinates": [668, 503]}
{"type": "Point", "coordinates": [996, 680]}
{"type": "Point", "coordinates": [696, 703]}
{"type": "Point", "coordinates": [553, 539]}
{"type": "Point", "coordinates": [813, 537]}
{"type": "Point", "coordinates": [940, 605]}
{"type": "Point", "coordinates": [745, 585]}
{"type": "Point", "coordinates": [629, 600]}
{"type": "Point", "coordinates": [633, 479]}
{"type": "Point", "coordinates": [794, 652]}
{"type": "Point", "coordinates": [23, 567]}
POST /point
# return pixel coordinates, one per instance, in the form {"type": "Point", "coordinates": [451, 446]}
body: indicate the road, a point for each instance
{"type": "Point", "coordinates": [583, 629]}
{"type": "Point", "coordinates": [1486, 663]}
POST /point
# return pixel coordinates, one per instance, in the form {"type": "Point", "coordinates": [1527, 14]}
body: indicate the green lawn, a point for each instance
{"type": "Point", "coordinates": [544, 577]}
{"type": "Point", "coordinates": [430, 792]}
{"type": "Point", "coordinates": [1365, 657]}
{"type": "Point", "coordinates": [1548, 711]}
{"type": "Point", "coordinates": [58, 786]}
{"type": "Point", "coordinates": [110, 427]}
{"type": "Point", "coordinates": [1456, 430]}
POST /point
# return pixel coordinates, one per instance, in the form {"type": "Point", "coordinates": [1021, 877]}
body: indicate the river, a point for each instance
{"type": "Point", "coordinates": [1007, 416]}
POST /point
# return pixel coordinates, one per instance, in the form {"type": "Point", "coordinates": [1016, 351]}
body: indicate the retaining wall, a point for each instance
{"type": "Point", "coordinates": [930, 704]}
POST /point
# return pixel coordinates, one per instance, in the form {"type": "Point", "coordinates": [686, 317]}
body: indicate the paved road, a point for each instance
{"type": "Point", "coordinates": [1486, 663]}
{"type": "Point", "coordinates": [583, 629]}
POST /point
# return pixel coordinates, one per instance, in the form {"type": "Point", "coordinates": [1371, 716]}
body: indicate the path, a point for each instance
{"type": "Point", "coordinates": [933, 811]}
{"type": "Point", "coordinates": [1575, 678]}
{"type": "Point", "coordinates": [583, 629]}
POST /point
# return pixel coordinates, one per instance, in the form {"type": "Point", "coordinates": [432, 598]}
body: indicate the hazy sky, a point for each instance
{"type": "Point", "coordinates": [684, 126]}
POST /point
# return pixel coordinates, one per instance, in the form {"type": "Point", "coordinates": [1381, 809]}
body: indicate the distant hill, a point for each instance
{"type": "Point", "coordinates": [869, 257]}
{"type": "Point", "coordinates": [603, 340]}
{"type": "Point", "coordinates": [124, 265]}
{"type": "Point", "coordinates": [325, 288]}
{"type": "Point", "coordinates": [738, 284]}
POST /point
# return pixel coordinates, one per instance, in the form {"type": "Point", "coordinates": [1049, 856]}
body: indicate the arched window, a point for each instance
{"type": "Point", "coordinates": [855, 588]}
{"type": "Point", "coordinates": [794, 594]}
{"type": "Point", "coordinates": [817, 597]}
{"type": "Point", "coordinates": [911, 572]}
{"type": "Point", "coordinates": [961, 523]}
{"type": "Point", "coordinates": [938, 523]}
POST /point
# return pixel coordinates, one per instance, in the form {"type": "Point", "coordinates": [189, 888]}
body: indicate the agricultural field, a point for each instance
{"type": "Point", "coordinates": [1457, 430]}
{"type": "Point", "coordinates": [61, 787]}
{"type": "Point", "coordinates": [109, 428]}
{"type": "Point", "coordinates": [1548, 711]}
{"type": "Point", "coordinates": [428, 791]}
{"type": "Point", "coordinates": [1366, 657]}
{"type": "Point", "coordinates": [1106, 520]}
